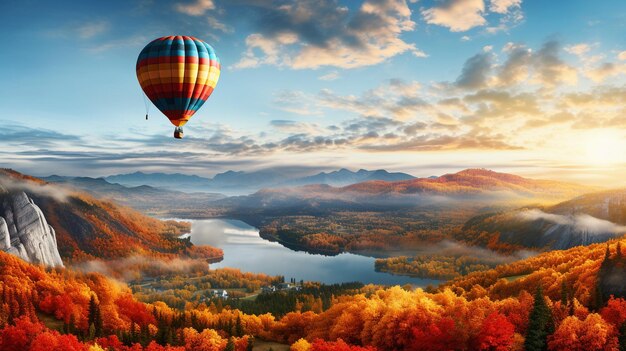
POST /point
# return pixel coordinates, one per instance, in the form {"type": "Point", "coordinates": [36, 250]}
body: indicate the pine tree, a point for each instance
{"type": "Point", "coordinates": [622, 337]}
{"type": "Point", "coordinates": [540, 324]}
{"type": "Point", "coordinates": [98, 324]}
{"type": "Point", "coordinates": [563, 294]}
{"type": "Point", "coordinates": [238, 327]}
{"type": "Point", "coordinates": [181, 337]}
{"type": "Point", "coordinates": [230, 345]}
{"type": "Point", "coordinates": [598, 299]}
{"type": "Point", "coordinates": [92, 310]}
{"type": "Point", "coordinates": [250, 344]}
{"type": "Point", "coordinates": [144, 335]}
{"type": "Point", "coordinates": [133, 333]}
{"type": "Point", "coordinates": [94, 318]}
{"type": "Point", "coordinates": [92, 332]}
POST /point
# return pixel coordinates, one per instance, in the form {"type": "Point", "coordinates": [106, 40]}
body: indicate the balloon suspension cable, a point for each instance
{"type": "Point", "coordinates": [145, 103]}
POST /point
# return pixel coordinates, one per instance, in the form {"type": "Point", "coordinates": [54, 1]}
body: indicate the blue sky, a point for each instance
{"type": "Point", "coordinates": [427, 87]}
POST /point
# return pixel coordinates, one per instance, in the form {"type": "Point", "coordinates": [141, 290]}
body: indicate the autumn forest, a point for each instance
{"type": "Point", "coordinates": [313, 175]}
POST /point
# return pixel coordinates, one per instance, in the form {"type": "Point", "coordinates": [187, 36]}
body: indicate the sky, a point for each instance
{"type": "Point", "coordinates": [536, 88]}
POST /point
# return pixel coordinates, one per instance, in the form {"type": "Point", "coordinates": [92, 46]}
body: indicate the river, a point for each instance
{"type": "Point", "coordinates": [246, 250]}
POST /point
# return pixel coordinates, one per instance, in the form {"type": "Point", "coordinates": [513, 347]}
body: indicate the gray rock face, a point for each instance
{"type": "Point", "coordinates": [24, 231]}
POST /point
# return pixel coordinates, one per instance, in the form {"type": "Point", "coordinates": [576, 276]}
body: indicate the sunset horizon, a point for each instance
{"type": "Point", "coordinates": [507, 96]}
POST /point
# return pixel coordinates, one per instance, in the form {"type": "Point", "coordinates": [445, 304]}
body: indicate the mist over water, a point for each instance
{"type": "Point", "coordinates": [580, 222]}
{"type": "Point", "coordinates": [246, 250]}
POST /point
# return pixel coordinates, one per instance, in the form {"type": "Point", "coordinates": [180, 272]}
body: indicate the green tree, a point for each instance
{"type": "Point", "coordinates": [92, 332]}
{"type": "Point", "coordinates": [622, 337]}
{"type": "Point", "coordinates": [230, 345]}
{"type": "Point", "coordinates": [564, 294]}
{"type": "Point", "coordinates": [238, 327]}
{"type": "Point", "coordinates": [94, 318]}
{"type": "Point", "coordinates": [540, 324]}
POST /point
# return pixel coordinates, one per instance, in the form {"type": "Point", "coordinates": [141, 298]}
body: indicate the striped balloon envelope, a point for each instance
{"type": "Point", "coordinates": [178, 74]}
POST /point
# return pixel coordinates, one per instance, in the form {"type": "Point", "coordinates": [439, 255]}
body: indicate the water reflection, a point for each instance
{"type": "Point", "coordinates": [246, 250]}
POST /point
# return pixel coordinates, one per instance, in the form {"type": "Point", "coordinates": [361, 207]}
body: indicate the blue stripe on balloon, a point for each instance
{"type": "Point", "coordinates": [175, 102]}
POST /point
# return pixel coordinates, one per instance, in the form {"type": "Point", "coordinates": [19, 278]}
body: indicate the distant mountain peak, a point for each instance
{"type": "Point", "coordinates": [486, 173]}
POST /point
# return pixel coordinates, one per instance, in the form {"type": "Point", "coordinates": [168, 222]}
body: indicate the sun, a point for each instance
{"type": "Point", "coordinates": [605, 148]}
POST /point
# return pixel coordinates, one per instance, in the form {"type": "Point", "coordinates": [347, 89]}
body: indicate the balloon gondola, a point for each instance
{"type": "Point", "coordinates": [178, 74]}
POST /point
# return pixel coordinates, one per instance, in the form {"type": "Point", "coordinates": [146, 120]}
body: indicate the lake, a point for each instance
{"type": "Point", "coordinates": [246, 250]}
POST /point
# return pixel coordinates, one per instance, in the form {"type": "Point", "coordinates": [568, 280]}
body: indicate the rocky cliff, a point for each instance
{"type": "Point", "coordinates": [24, 231]}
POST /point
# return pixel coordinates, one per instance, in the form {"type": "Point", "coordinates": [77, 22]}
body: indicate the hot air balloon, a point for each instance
{"type": "Point", "coordinates": [178, 74]}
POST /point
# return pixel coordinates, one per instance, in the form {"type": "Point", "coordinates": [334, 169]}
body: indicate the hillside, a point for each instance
{"type": "Point", "coordinates": [145, 198]}
{"type": "Point", "coordinates": [87, 227]}
{"type": "Point", "coordinates": [590, 218]}
{"type": "Point", "coordinates": [576, 269]}
{"type": "Point", "coordinates": [484, 311]}
{"type": "Point", "coordinates": [385, 219]}
{"type": "Point", "coordinates": [471, 185]}
{"type": "Point", "coordinates": [609, 205]}
{"type": "Point", "coordinates": [474, 182]}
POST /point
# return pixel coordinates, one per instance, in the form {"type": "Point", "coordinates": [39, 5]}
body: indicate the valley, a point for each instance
{"type": "Point", "coordinates": [429, 228]}
{"type": "Point", "coordinates": [328, 267]}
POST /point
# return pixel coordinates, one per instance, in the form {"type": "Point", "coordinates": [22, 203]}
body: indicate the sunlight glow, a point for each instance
{"type": "Point", "coordinates": [604, 148]}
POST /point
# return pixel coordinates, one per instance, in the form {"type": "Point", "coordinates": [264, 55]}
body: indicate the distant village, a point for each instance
{"type": "Point", "coordinates": [291, 286]}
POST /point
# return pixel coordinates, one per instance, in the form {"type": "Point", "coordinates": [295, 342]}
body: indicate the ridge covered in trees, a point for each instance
{"type": "Point", "coordinates": [551, 307]}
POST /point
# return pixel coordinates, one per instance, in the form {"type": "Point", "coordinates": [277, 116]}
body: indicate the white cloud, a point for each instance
{"type": "Point", "coordinates": [198, 8]}
{"type": "Point", "coordinates": [476, 70]}
{"type": "Point", "coordinates": [91, 30]}
{"type": "Point", "coordinates": [216, 24]}
{"type": "Point", "coordinates": [578, 49]}
{"type": "Point", "coordinates": [550, 69]}
{"type": "Point", "coordinates": [458, 15]}
{"type": "Point", "coordinates": [517, 66]}
{"type": "Point", "coordinates": [118, 43]}
{"type": "Point", "coordinates": [503, 6]}
{"type": "Point", "coordinates": [288, 126]}
{"type": "Point", "coordinates": [622, 55]}
{"type": "Point", "coordinates": [606, 70]}
{"type": "Point", "coordinates": [330, 76]}
{"type": "Point", "coordinates": [312, 34]}
{"type": "Point", "coordinates": [270, 47]}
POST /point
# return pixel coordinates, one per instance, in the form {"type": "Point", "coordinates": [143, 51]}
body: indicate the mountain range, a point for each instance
{"type": "Point", "coordinates": [467, 186]}
{"type": "Point", "coordinates": [86, 225]}
{"type": "Point", "coordinates": [240, 182]}
{"type": "Point", "coordinates": [145, 198]}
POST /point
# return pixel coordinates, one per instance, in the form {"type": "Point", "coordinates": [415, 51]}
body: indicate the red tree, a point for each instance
{"type": "Point", "coordinates": [21, 335]}
{"type": "Point", "coordinates": [614, 312]}
{"type": "Point", "coordinates": [439, 336]}
{"type": "Point", "coordinates": [339, 345]}
{"type": "Point", "coordinates": [496, 333]}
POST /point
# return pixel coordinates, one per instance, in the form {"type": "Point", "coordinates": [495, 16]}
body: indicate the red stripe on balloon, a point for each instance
{"type": "Point", "coordinates": [177, 59]}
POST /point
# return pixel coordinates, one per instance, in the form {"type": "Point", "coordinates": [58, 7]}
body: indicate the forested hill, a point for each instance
{"type": "Point", "coordinates": [87, 227]}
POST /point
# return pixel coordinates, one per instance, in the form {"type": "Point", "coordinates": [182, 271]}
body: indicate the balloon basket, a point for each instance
{"type": "Point", "coordinates": [178, 133]}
